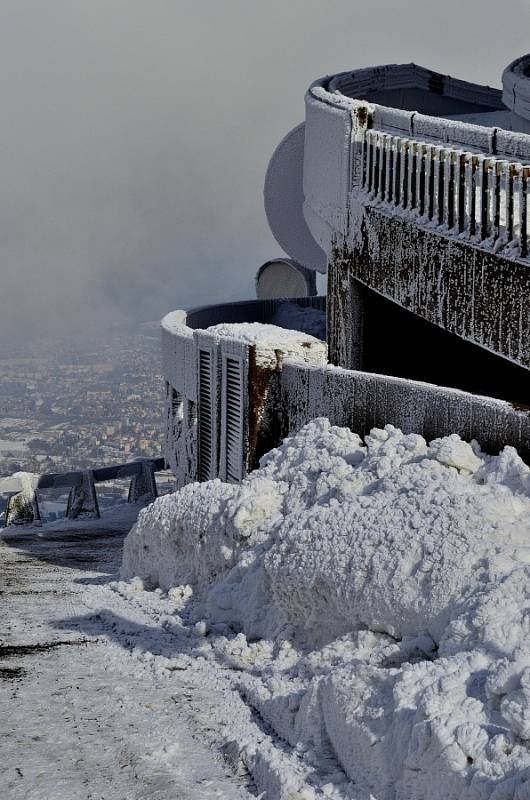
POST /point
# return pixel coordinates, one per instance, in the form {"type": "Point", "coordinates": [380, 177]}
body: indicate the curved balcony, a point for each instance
{"type": "Point", "coordinates": [428, 207]}
{"type": "Point", "coordinates": [224, 408]}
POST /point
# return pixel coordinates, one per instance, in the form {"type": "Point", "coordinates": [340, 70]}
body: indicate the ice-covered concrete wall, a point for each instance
{"type": "Point", "coordinates": [361, 401]}
{"type": "Point", "coordinates": [222, 387]}
{"type": "Point", "coordinates": [327, 166]}
{"type": "Point", "coordinates": [480, 296]}
{"type": "Point", "coordinates": [180, 374]}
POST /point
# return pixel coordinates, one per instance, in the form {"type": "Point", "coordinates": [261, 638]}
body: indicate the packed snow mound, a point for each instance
{"type": "Point", "coordinates": [273, 344]}
{"type": "Point", "coordinates": [262, 333]}
{"type": "Point", "coordinates": [397, 574]}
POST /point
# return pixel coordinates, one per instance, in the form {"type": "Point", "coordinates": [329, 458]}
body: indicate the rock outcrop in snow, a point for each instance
{"type": "Point", "coordinates": [381, 592]}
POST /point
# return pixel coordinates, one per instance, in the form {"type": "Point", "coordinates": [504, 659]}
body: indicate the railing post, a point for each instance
{"type": "Point", "coordinates": [143, 485]}
{"type": "Point", "coordinates": [404, 178]}
{"type": "Point", "coordinates": [471, 199]}
{"type": "Point", "coordinates": [428, 202]}
{"type": "Point", "coordinates": [82, 499]}
{"type": "Point", "coordinates": [361, 121]}
{"type": "Point", "coordinates": [495, 199]}
{"type": "Point", "coordinates": [362, 162]}
{"type": "Point", "coordinates": [448, 188]}
{"type": "Point", "coordinates": [482, 191]}
{"type": "Point", "coordinates": [374, 163]}
{"type": "Point", "coordinates": [389, 161]}
{"type": "Point", "coordinates": [397, 171]}
{"type": "Point", "coordinates": [23, 507]}
{"type": "Point", "coordinates": [520, 186]}
{"type": "Point", "coordinates": [438, 184]}
{"type": "Point", "coordinates": [460, 190]}
{"type": "Point", "coordinates": [419, 200]}
{"type": "Point", "coordinates": [411, 177]}
{"type": "Point", "coordinates": [509, 173]}
{"type": "Point", "coordinates": [381, 178]}
{"type": "Point", "coordinates": [368, 161]}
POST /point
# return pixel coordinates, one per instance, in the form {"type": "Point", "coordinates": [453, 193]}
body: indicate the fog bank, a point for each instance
{"type": "Point", "coordinates": [135, 137]}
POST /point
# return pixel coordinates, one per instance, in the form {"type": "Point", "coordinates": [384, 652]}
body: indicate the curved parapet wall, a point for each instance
{"type": "Point", "coordinates": [247, 311]}
{"type": "Point", "coordinates": [411, 87]}
{"type": "Point", "coordinates": [179, 371]}
{"type": "Point", "coordinates": [219, 386]}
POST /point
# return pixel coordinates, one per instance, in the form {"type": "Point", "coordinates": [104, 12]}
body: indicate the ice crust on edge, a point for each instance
{"type": "Point", "coordinates": [380, 593]}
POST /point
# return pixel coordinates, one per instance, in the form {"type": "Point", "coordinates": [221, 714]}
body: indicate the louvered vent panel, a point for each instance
{"type": "Point", "coordinates": [205, 416]}
{"type": "Point", "coordinates": [234, 419]}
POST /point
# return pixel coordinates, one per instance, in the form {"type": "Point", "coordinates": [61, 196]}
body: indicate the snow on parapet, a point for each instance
{"type": "Point", "coordinates": [268, 339]}
{"type": "Point", "coordinates": [175, 322]}
{"type": "Point", "coordinates": [396, 574]}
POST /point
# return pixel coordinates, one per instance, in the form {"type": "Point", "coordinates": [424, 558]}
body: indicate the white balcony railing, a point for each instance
{"type": "Point", "coordinates": [475, 196]}
{"type": "Point", "coordinates": [468, 180]}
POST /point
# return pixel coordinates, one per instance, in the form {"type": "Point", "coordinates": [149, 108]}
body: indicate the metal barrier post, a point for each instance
{"type": "Point", "coordinates": [143, 484]}
{"type": "Point", "coordinates": [82, 500]}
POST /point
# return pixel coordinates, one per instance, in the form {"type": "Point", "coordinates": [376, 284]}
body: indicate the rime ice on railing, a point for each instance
{"type": "Point", "coordinates": [478, 197]}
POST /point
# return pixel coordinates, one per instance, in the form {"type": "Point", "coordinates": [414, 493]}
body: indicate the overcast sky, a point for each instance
{"type": "Point", "coordinates": [135, 136]}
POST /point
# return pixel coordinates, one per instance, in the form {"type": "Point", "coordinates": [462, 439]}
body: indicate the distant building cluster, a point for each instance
{"type": "Point", "coordinates": [73, 405]}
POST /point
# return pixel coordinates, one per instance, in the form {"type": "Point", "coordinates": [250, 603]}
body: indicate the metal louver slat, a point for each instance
{"type": "Point", "coordinates": [205, 416]}
{"type": "Point", "coordinates": [234, 419]}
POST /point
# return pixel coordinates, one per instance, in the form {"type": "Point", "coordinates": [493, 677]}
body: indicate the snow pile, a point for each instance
{"type": "Point", "coordinates": [269, 339]}
{"type": "Point", "coordinates": [261, 333]}
{"type": "Point", "coordinates": [381, 591]}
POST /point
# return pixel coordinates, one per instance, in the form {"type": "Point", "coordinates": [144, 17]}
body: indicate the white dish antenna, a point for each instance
{"type": "Point", "coordinates": [284, 198]}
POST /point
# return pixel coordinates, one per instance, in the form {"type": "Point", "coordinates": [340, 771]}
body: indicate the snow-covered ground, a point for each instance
{"type": "Point", "coordinates": [363, 611]}
{"type": "Point", "coordinates": [350, 623]}
{"type": "Point", "coordinates": [86, 710]}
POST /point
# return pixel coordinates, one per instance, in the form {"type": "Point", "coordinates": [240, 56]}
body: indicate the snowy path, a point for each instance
{"type": "Point", "coordinates": [81, 716]}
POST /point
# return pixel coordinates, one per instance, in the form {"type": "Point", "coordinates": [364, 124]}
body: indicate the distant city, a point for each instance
{"type": "Point", "coordinates": [76, 404]}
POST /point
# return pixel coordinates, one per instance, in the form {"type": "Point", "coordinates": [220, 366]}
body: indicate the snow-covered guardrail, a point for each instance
{"type": "Point", "coordinates": [23, 488]}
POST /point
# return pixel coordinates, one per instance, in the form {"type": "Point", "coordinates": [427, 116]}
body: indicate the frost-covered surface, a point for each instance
{"type": "Point", "coordinates": [87, 710]}
{"type": "Point", "coordinates": [263, 334]}
{"type": "Point", "coordinates": [305, 319]}
{"type": "Point", "coordinates": [294, 345]}
{"type": "Point", "coordinates": [374, 599]}
{"type": "Point", "coordinates": [331, 150]}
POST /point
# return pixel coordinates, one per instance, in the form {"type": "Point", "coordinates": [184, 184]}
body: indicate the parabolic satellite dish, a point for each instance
{"type": "Point", "coordinates": [284, 198]}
